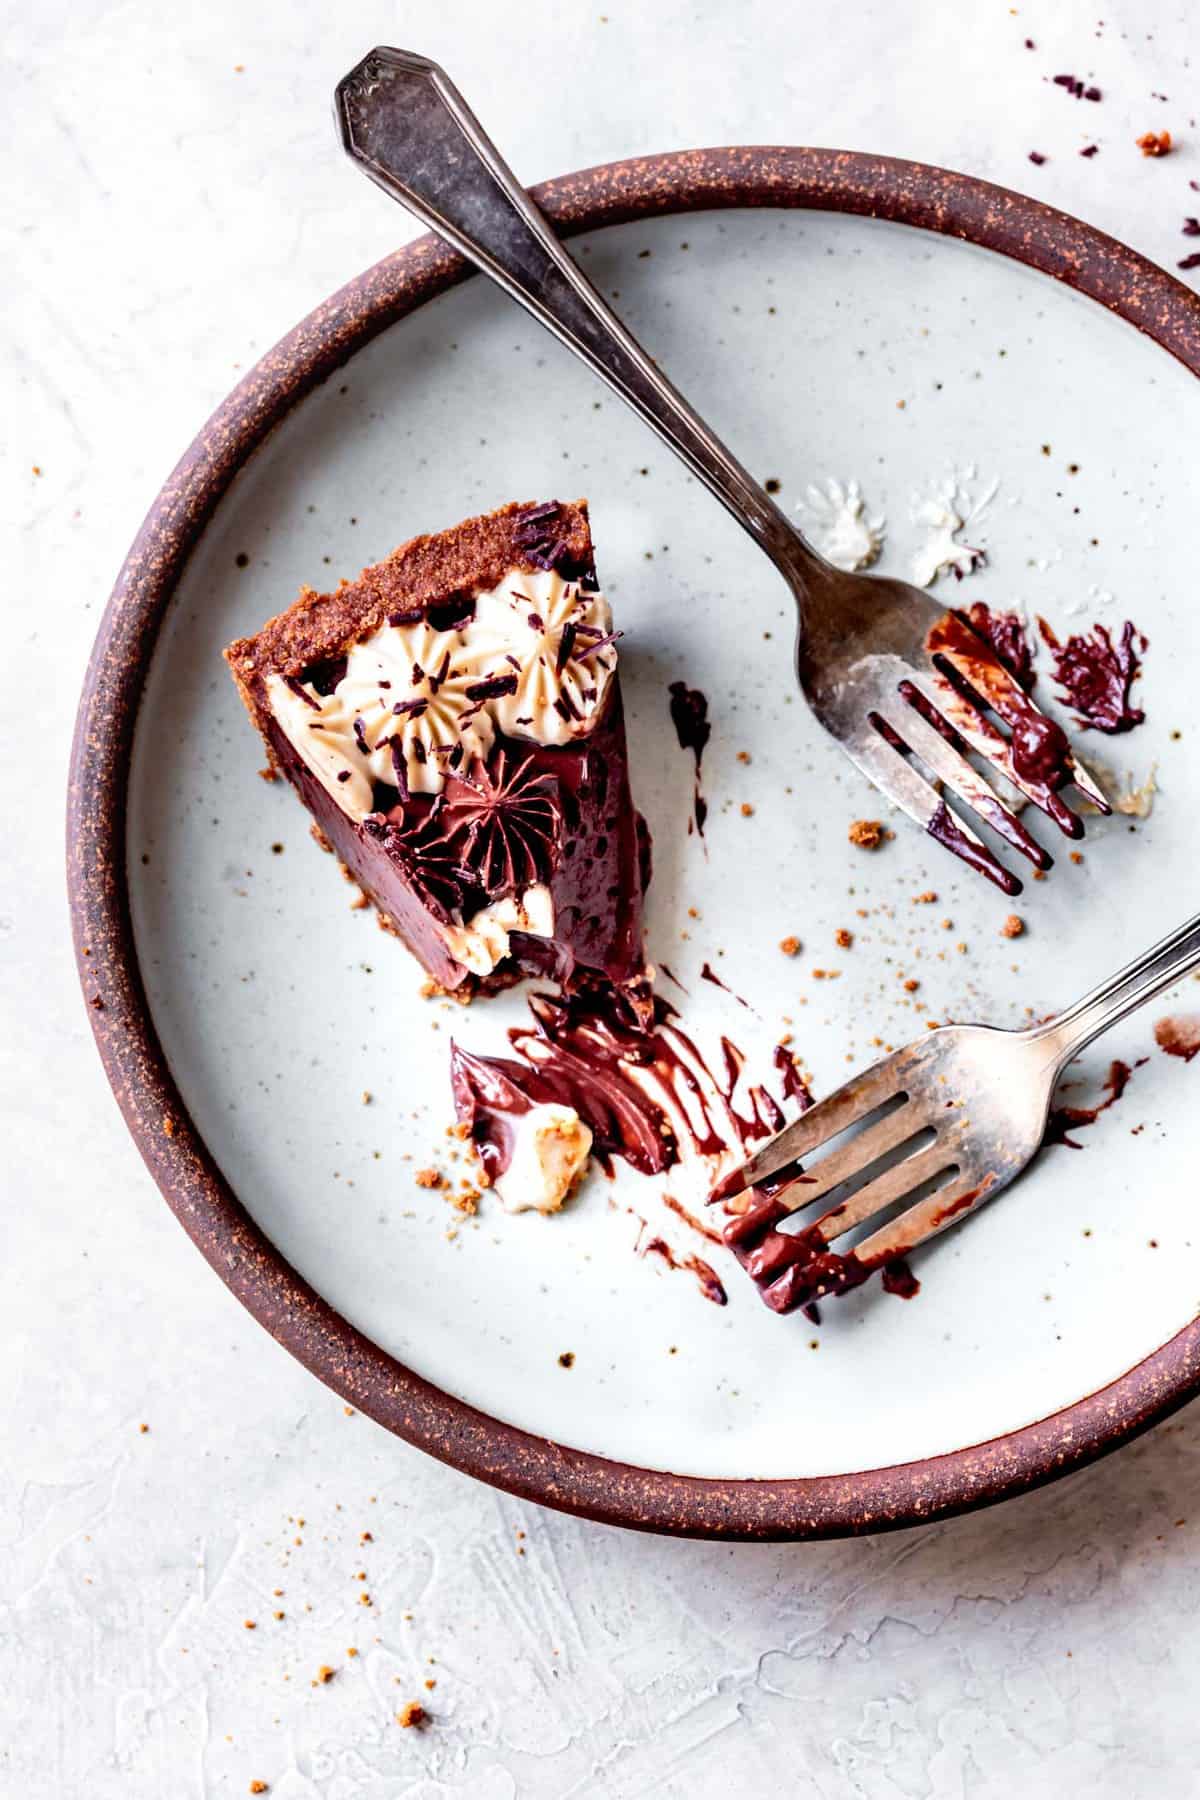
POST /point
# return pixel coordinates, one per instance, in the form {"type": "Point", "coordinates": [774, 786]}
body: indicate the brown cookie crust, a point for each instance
{"type": "Point", "coordinates": [424, 572]}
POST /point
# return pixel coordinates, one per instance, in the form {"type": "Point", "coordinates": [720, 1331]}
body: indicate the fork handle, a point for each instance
{"type": "Point", "coordinates": [407, 126]}
{"type": "Point", "coordinates": [1168, 962]}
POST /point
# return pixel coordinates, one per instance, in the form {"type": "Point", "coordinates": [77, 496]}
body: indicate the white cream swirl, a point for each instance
{"type": "Point", "coordinates": [535, 659]}
{"type": "Point", "coordinates": [406, 699]}
{"type": "Point", "coordinates": [549, 626]}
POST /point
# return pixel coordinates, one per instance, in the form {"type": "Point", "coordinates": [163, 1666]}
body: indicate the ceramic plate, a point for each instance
{"type": "Point", "coordinates": [824, 346]}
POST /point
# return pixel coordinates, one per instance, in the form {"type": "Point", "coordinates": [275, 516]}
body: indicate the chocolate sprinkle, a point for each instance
{"type": "Point", "coordinates": [298, 687]}
{"type": "Point", "coordinates": [601, 643]}
{"type": "Point", "coordinates": [493, 688]}
{"type": "Point", "coordinates": [566, 644]}
{"type": "Point", "coordinates": [400, 770]}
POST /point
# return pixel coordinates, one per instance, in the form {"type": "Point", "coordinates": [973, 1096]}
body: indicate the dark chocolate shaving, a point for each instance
{"type": "Point", "coordinates": [298, 687]}
{"type": "Point", "coordinates": [492, 687]}
{"type": "Point", "coordinates": [566, 645]}
{"type": "Point", "coordinates": [603, 640]}
{"type": "Point", "coordinates": [399, 769]}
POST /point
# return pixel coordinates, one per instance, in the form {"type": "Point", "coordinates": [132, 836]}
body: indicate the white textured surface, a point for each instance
{"type": "Point", "coordinates": [171, 219]}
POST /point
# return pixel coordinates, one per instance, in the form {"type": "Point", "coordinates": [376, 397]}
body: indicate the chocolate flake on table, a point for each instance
{"type": "Point", "coordinates": [1078, 89]}
{"type": "Point", "coordinates": [1036, 157]}
{"type": "Point", "coordinates": [1191, 262]}
{"type": "Point", "coordinates": [1096, 674]}
{"type": "Point", "coordinates": [1191, 227]}
{"type": "Point", "coordinates": [1090, 150]}
{"type": "Point", "coordinates": [505, 823]}
{"type": "Point", "coordinates": [1179, 1036]}
{"type": "Point", "coordinates": [689, 715]}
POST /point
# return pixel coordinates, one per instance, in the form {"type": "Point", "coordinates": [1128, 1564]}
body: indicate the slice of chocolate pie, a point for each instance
{"type": "Point", "coordinates": [452, 720]}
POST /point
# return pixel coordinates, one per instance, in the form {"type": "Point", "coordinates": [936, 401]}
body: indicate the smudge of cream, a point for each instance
{"type": "Point", "coordinates": [835, 517]}
{"type": "Point", "coordinates": [1132, 799]}
{"type": "Point", "coordinates": [951, 505]}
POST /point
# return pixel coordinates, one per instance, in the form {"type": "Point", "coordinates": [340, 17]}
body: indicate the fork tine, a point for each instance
{"type": "Point", "coordinates": [895, 777]}
{"type": "Point", "coordinates": [1001, 690]}
{"type": "Point", "coordinates": [929, 1216]}
{"type": "Point", "coordinates": [844, 1107]}
{"type": "Point", "coordinates": [972, 788]}
{"type": "Point", "coordinates": [849, 1159]}
{"type": "Point", "coordinates": [974, 658]}
{"type": "Point", "coordinates": [981, 735]}
{"type": "Point", "coordinates": [889, 1187]}
{"type": "Point", "coordinates": [1089, 787]}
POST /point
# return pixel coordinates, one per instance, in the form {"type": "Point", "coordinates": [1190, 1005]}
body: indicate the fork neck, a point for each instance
{"type": "Point", "coordinates": [1158, 968]}
{"type": "Point", "coordinates": [406, 124]}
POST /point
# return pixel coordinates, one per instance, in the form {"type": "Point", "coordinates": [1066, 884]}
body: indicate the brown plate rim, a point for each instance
{"type": "Point", "coordinates": [180, 1161]}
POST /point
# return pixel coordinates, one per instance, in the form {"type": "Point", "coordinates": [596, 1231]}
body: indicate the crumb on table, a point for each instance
{"type": "Point", "coordinates": [1155, 143]}
{"type": "Point", "coordinates": [789, 945]}
{"type": "Point", "coordinates": [428, 1178]}
{"type": "Point", "coordinates": [843, 938]}
{"type": "Point", "coordinates": [1013, 926]}
{"type": "Point", "coordinates": [867, 833]}
{"type": "Point", "coordinates": [410, 1714]}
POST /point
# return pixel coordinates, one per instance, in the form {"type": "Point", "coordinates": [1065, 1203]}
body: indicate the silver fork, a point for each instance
{"type": "Point", "coordinates": [962, 1110]}
{"type": "Point", "coordinates": [906, 687]}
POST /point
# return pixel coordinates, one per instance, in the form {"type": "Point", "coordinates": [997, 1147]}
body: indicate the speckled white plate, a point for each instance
{"type": "Point", "coordinates": [819, 346]}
